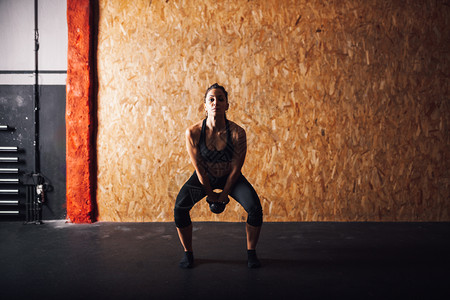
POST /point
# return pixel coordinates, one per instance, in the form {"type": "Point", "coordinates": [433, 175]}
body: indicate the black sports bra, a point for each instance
{"type": "Point", "coordinates": [215, 156]}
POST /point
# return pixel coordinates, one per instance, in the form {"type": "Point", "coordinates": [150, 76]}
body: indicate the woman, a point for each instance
{"type": "Point", "coordinates": [217, 149]}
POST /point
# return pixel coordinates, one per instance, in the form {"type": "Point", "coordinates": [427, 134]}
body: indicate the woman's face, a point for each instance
{"type": "Point", "coordinates": [216, 102]}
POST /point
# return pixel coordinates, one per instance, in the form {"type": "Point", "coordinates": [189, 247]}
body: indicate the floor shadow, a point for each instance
{"type": "Point", "coordinates": [269, 263]}
{"type": "Point", "coordinates": [205, 261]}
{"type": "Point", "coordinates": [284, 263]}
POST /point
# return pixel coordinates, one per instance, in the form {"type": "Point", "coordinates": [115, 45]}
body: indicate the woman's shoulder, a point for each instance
{"type": "Point", "coordinates": [235, 126]}
{"type": "Point", "coordinates": [236, 130]}
{"type": "Point", "coordinates": [193, 132]}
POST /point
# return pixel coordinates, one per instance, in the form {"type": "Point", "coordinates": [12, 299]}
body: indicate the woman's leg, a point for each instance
{"type": "Point", "coordinates": [252, 236]}
{"type": "Point", "coordinates": [245, 194]}
{"type": "Point", "coordinates": [191, 192]}
{"type": "Point", "coordinates": [185, 235]}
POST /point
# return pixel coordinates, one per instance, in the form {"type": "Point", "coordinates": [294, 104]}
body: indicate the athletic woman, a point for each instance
{"type": "Point", "coordinates": [217, 149]}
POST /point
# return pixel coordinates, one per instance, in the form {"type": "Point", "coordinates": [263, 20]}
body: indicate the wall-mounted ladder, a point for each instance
{"type": "Point", "coordinates": [9, 181]}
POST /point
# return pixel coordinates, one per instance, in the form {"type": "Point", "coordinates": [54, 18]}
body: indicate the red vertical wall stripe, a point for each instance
{"type": "Point", "coordinates": [80, 121]}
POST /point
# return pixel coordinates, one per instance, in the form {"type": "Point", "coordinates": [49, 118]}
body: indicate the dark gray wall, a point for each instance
{"type": "Point", "coordinates": [16, 111]}
{"type": "Point", "coordinates": [53, 149]}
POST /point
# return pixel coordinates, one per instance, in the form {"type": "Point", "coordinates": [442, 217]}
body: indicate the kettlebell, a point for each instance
{"type": "Point", "coordinates": [217, 207]}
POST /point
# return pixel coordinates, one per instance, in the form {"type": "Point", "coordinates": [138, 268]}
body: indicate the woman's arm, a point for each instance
{"type": "Point", "coordinates": [192, 140]}
{"type": "Point", "coordinates": [240, 150]}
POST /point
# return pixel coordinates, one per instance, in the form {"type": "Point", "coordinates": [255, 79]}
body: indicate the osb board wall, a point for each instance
{"type": "Point", "coordinates": [345, 104]}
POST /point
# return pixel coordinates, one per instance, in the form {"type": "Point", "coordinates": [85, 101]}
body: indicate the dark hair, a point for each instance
{"type": "Point", "coordinates": [216, 86]}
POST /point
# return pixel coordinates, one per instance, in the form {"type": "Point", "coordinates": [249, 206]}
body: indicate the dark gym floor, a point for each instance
{"type": "Point", "coordinates": [300, 261]}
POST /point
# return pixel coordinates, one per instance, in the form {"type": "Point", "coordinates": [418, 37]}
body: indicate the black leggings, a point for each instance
{"type": "Point", "coordinates": [193, 191]}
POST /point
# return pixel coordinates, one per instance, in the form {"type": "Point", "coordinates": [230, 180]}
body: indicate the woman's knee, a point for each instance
{"type": "Point", "coordinates": [183, 205]}
{"type": "Point", "coordinates": [255, 215]}
{"type": "Point", "coordinates": [182, 217]}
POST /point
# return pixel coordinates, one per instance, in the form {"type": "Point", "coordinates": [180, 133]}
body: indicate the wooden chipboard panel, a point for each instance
{"type": "Point", "coordinates": [345, 104]}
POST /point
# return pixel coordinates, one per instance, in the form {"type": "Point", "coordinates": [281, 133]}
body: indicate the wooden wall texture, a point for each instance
{"type": "Point", "coordinates": [345, 103]}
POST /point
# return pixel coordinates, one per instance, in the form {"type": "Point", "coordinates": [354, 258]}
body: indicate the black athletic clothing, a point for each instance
{"type": "Point", "coordinates": [214, 156]}
{"type": "Point", "coordinates": [193, 191]}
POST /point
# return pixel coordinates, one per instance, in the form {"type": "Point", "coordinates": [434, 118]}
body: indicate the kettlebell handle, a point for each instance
{"type": "Point", "coordinates": [209, 201]}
